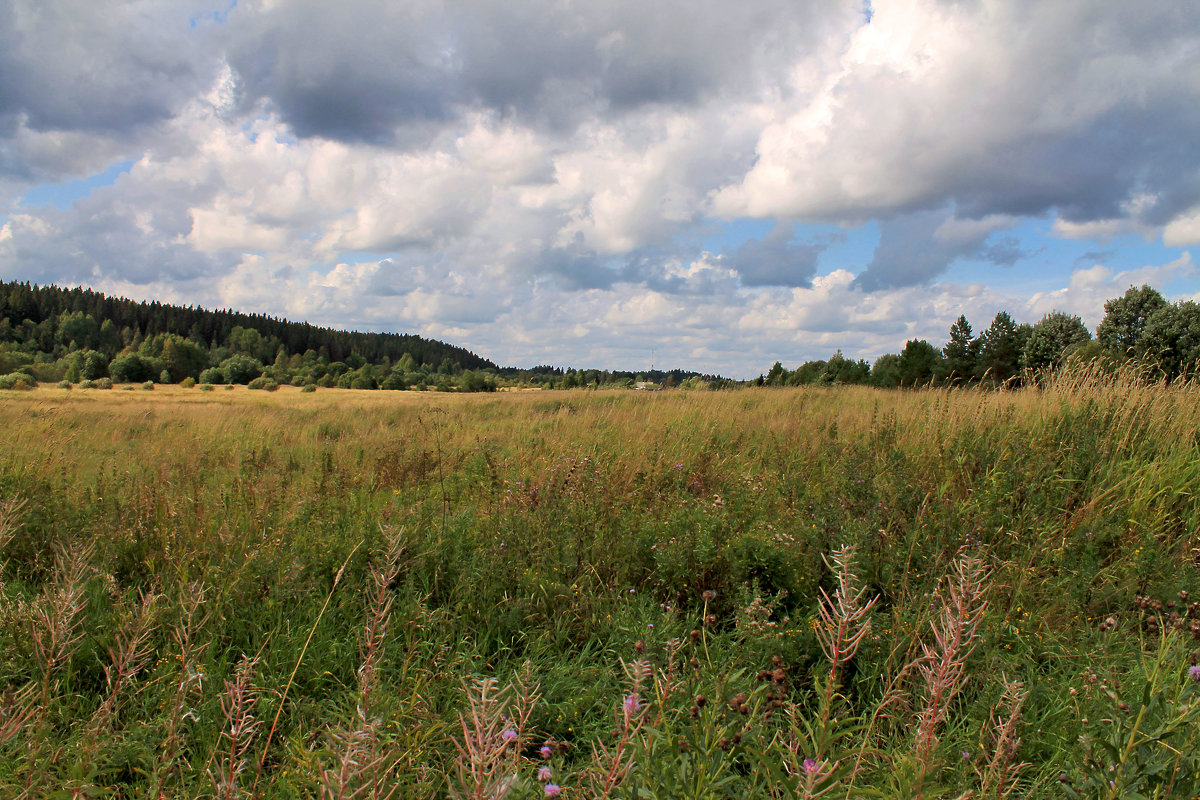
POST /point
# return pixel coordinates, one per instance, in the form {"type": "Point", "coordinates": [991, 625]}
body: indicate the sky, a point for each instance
{"type": "Point", "coordinates": [699, 185]}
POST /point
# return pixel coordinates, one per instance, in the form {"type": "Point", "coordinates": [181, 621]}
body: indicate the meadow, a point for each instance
{"type": "Point", "coordinates": [763, 593]}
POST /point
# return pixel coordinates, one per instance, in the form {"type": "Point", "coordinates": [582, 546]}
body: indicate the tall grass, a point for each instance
{"type": "Point", "coordinates": [771, 593]}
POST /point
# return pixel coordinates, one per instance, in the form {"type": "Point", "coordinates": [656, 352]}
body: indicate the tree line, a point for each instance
{"type": "Point", "coordinates": [53, 334]}
{"type": "Point", "coordinates": [1140, 327]}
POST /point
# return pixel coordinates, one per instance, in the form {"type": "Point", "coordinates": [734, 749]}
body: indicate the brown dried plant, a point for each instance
{"type": "Point", "coordinates": [611, 765]}
{"type": "Point", "coordinates": [844, 621]}
{"type": "Point", "coordinates": [55, 622]}
{"type": "Point", "coordinates": [998, 776]}
{"type": "Point", "coordinates": [237, 737]}
{"type": "Point", "coordinates": [361, 767]}
{"type": "Point", "coordinates": [189, 683]}
{"type": "Point", "coordinates": [494, 729]}
{"type": "Point", "coordinates": [127, 657]}
{"type": "Point", "coordinates": [942, 664]}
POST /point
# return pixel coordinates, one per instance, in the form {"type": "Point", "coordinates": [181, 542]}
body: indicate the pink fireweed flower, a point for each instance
{"type": "Point", "coordinates": [553, 790]}
{"type": "Point", "coordinates": [544, 775]}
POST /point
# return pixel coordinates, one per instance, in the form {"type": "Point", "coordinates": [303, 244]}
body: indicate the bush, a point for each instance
{"type": "Point", "coordinates": [148, 386]}
{"type": "Point", "coordinates": [229, 387]}
{"type": "Point", "coordinates": [132, 368]}
{"type": "Point", "coordinates": [104, 383]}
{"type": "Point", "coordinates": [18, 381]}
{"type": "Point", "coordinates": [212, 375]}
{"type": "Point", "coordinates": [64, 385]}
{"type": "Point", "coordinates": [308, 387]}
{"type": "Point", "coordinates": [264, 383]}
{"type": "Point", "coordinates": [188, 382]}
{"type": "Point", "coordinates": [241, 368]}
{"type": "Point", "coordinates": [205, 387]}
{"type": "Point", "coordinates": [86, 384]}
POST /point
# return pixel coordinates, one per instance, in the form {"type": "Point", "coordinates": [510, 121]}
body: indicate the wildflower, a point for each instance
{"type": "Point", "coordinates": [545, 751]}
{"type": "Point", "coordinates": [544, 775]}
{"type": "Point", "coordinates": [810, 765]}
{"type": "Point", "coordinates": [1194, 673]}
{"type": "Point", "coordinates": [553, 790]}
{"type": "Point", "coordinates": [509, 736]}
{"type": "Point", "coordinates": [632, 704]}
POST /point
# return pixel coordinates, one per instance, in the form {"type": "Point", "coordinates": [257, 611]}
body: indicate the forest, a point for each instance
{"type": "Point", "coordinates": [50, 335]}
{"type": "Point", "coordinates": [79, 336]}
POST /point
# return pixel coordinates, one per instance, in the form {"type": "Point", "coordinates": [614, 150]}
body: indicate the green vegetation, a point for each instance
{"type": "Point", "coordinates": [779, 594]}
{"type": "Point", "coordinates": [1140, 328]}
{"type": "Point", "coordinates": [48, 334]}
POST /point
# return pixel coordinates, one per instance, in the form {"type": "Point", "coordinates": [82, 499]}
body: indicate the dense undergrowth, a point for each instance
{"type": "Point", "coordinates": [763, 593]}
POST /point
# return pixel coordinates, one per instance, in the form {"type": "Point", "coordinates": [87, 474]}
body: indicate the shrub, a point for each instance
{"type": "Point", "coordinates": [104, 383]}
{"type": "Point", "coordinates": [131, 368]}
{"type": "Point", "coordinates": [309, 387]}
{"type": "Point", "coordinates": [148, 386]}
{"type": "Point", "coordinates": [264, 383]}
{"type": "Point", "coordinates": [240, 368]}
{"type": "Point", "coordinates": [188, 382]}
{"type": "Point", "coordinates": [205, 387]}
{"type": "Point", "coordinates": [17, 380]}
{"type": "Point", "coordinates": [229, 387]}
{"type": "Point", "coordinates": [64, 385]}
{"type": "Point", "coordinates": [87, 384]}
{"type": "Point", "coordinates": [212, 375]}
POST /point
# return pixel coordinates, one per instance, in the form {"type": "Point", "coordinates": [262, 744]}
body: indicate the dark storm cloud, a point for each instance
{"type": "Point", "coordinates": [1005, 252]}
{"type": "Point", "coordinates": [1128, 61]}
{"type": "Point", "coordinates": [576, 266]}
{"type": "Point", "coordinates": [94, 65]}
{"type": "Point", "coordinates": [914, 249]}
{"type": "Point", "coordinates": [775, 260]}
{"type": "Point", "coordinates": [371, 70]}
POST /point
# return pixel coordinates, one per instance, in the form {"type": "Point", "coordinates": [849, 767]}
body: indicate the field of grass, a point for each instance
{"type": "Point", "coordinates": [773, 593]}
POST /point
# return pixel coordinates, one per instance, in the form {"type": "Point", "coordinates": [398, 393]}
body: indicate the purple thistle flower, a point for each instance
{"type": "Point", "coordinates": [1194, 672]}
{"type": "Point", "coordinates": [810, 765]}
{"type": "Point", "coordinates": [632, 704]}
{"type": "Point", "coordinates": [553, 790]}
{"type": "Point", "coordinates": [545, 751]}
{"type": "Point", "coordinates": [509, 736]}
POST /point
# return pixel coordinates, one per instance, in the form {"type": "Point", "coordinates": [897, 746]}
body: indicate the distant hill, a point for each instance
{"type": "Point", "coordinates": [25, 304]}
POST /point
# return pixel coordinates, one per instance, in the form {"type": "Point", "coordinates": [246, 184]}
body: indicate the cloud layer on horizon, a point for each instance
{"type": "Point", "coordinates": [581, 183]}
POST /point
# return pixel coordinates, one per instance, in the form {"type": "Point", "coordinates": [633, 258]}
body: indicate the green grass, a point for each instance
{"type": "Point", "coordinates": [571, 533]}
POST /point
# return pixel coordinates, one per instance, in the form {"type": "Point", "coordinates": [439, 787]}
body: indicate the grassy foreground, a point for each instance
{"type": "Point", "coordinates": [766, 593]}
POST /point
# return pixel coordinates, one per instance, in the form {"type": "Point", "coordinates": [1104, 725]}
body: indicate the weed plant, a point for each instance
{"type": "Point", "coordinates": [775, 593]}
